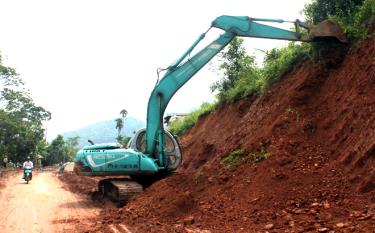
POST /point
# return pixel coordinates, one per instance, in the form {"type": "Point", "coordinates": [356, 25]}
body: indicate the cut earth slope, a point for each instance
{"type": "Point", "coordinates": [317, 125]}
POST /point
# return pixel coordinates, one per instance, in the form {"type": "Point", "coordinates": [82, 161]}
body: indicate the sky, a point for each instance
{"type": "Point", "coordinates": [86, 60]}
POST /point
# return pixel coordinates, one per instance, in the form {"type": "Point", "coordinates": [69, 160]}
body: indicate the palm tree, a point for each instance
{"type": "Point", "coordinates": [123, 113]}
{"type": "Point", "coordinates": [119, 125]}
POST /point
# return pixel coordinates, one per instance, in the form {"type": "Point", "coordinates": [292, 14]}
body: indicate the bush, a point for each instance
{"type": "Point", "coordinates": [248, 84]}
{"type": "Point", "coordinates": [234, 64]}
{"type": "Point", "coordinates": [240, 156]}
{"type": "Point", "coordinates": [276, 64]}
{"type": "Point", "coordinates": [235, 158]}
{"type": "Point", "coordinates": [280, 61]}
{"type": "Point", "coordinates": [319, 10]}
{"type": "Point", "coordinates": [363, 20]}
{"type": "Point", "coordinates": [261, 154]}
{"type": "Point", "coordinates": [354, 16]}
{"type": "Point", "coordinates": [180, 126]}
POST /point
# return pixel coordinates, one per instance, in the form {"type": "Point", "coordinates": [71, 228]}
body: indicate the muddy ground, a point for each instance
{"type": "Point", "coordinates": [318, 127]}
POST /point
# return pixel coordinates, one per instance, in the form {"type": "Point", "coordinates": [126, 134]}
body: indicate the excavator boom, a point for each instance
{"type": "Point", "coordinates": [180, 72]}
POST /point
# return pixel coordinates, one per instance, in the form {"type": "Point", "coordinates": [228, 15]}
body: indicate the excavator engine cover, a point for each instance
{"type": "Point", "coordinates": [325, 30]}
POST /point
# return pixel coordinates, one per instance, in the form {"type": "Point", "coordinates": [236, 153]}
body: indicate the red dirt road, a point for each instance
{"type": "Point", "coordinates": [41, 206]}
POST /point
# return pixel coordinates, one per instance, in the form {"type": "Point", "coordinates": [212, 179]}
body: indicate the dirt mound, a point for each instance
{"type": "Point", "coordinates": [4, 175]}
{"type": "Point", "coordinates": [317, 128]}
{"type": "Point", "coordinates": [79, 184]}
{"type": "Point", "coordinates": [2, 179]}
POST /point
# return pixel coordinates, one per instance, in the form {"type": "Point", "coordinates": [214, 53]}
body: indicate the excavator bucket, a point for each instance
{"type": "Point", "coordinates": [327, 30]}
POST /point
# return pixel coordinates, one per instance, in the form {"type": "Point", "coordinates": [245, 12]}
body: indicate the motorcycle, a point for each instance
{"type": "Point", "coordinates": [28, 175]}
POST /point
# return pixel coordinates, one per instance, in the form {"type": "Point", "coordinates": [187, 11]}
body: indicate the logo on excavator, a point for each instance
{"type": "Point", "coordinates": [92, 163]}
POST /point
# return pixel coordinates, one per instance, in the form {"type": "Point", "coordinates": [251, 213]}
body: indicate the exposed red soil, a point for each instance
{"type": "Point", "coordinates": [4, 174]}
{"type": "Point", "coordinates": [2, 178]}
{"type": "Point", "coordinates": [319, 126]}
{"type": "Point", "coordinates": [79, 184]}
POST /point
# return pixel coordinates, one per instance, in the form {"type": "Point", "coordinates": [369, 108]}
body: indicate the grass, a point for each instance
{"type": "Point", "coordinates": [180, 126]}
{"type": "Point", "coordinates": [234, 158]}
{"type": "Point", "coordinates": [240, 156]}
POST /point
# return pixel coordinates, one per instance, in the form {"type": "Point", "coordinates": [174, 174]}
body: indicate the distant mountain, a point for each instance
{"type": "Point", "coordinates": [104, 131]}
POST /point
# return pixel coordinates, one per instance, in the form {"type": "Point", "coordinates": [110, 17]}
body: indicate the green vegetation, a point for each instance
{"type": "Point", "coordinates": [235, 158]}
{"type": "Point", "coordinates": [261, 154]}
{"type": "Point", "coordinates": [120, 123]}
{"type": "Point", "coordinates": [364, 19]}
{"type": "Point", "coordinates": [242, 78]}
{"type": "Point", "coordinates": [21, 121]}
{"type": "Point", "coordinates": [277, 62]}
{"type": "Point", "coordinates": [240, 156]}
{"type": "Point", "coordinates": [236, 67]}
{"type": "Point", "coordinates": [354, 16]}
{"type": "Point", "coordinates": [281, 61]}
{"type": "Point", "coordinates": [250, 80]}
{"type": "Point", "coordinates": [60, 150]}
{"type": "Point", "coordinates": [182, 125]}
{"type": "Point", "coordinates": [21, 126]}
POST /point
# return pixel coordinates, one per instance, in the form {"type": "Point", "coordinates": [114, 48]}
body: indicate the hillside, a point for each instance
{"type": "Point", "coordinates": [317, 124]}
{"type": "Point", "coordinates": [105, 131]}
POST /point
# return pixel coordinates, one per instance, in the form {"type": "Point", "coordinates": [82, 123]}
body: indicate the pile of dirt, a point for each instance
{"type": "Point", "coordinates": [85, 185]}
{"type": "Point", "coordinates": [317, 128]}
{"type": "Point", "coordinates": [2, 179]}
{"type": "Point", "coordinates": [4, 174]}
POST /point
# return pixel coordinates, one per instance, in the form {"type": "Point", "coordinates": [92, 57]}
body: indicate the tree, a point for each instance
{"type": "Point", "coordinates": [235, 63]}
{"type": "Point", "coordinates": [21, 125]}
{"type": "Point", "coordinates": [55, 151]}
{"type": "Point", "coordinates": [61, 151]}
{"type": "Point", "coordinates": [71, 147]}
{"type": "Point", "coordinates": [119, 126]}
{"type": "Point", "coordinates": [123, 114]}
{"type": "Point", "coordinates": [123, 140]}
{"type": "Point", "coordinates": [319, 10]}
{"type": "Point", "coordinates": [356, 18]}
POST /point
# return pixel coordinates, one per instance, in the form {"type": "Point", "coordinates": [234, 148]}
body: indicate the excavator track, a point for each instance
{"type": "Point", "coordinates": [120, 190]}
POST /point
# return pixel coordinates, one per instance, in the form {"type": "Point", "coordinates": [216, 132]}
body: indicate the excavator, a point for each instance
{"type": "Point", "coordinates": [154, 153]}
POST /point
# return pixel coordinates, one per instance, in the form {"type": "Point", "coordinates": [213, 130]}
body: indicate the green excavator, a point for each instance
{"type": "Point", "coordinates": [154, 153]}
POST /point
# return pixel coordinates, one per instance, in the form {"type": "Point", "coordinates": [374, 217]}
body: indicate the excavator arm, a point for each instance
{"type": "Point", "coordinates": [176, 76]}
{"type": "Point", "coordinates": [153, 153]}
{"type": "Point", "coordinates": [184, 69]}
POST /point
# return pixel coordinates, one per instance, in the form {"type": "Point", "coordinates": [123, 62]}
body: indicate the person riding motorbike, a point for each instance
{"type": "Point", "coordinates": [28, 164]}
{"type": "Point", "coordinates": [61, 168]}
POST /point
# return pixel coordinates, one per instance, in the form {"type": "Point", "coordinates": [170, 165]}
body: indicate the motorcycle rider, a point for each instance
{"type": "Point", "coordinates": [28, 164]}
{"type": "Point", "coordinates": [61, 168]}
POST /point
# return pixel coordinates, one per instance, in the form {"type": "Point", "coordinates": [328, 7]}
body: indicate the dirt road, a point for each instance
{"type": "Point", "coordinates": [43, 205]}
